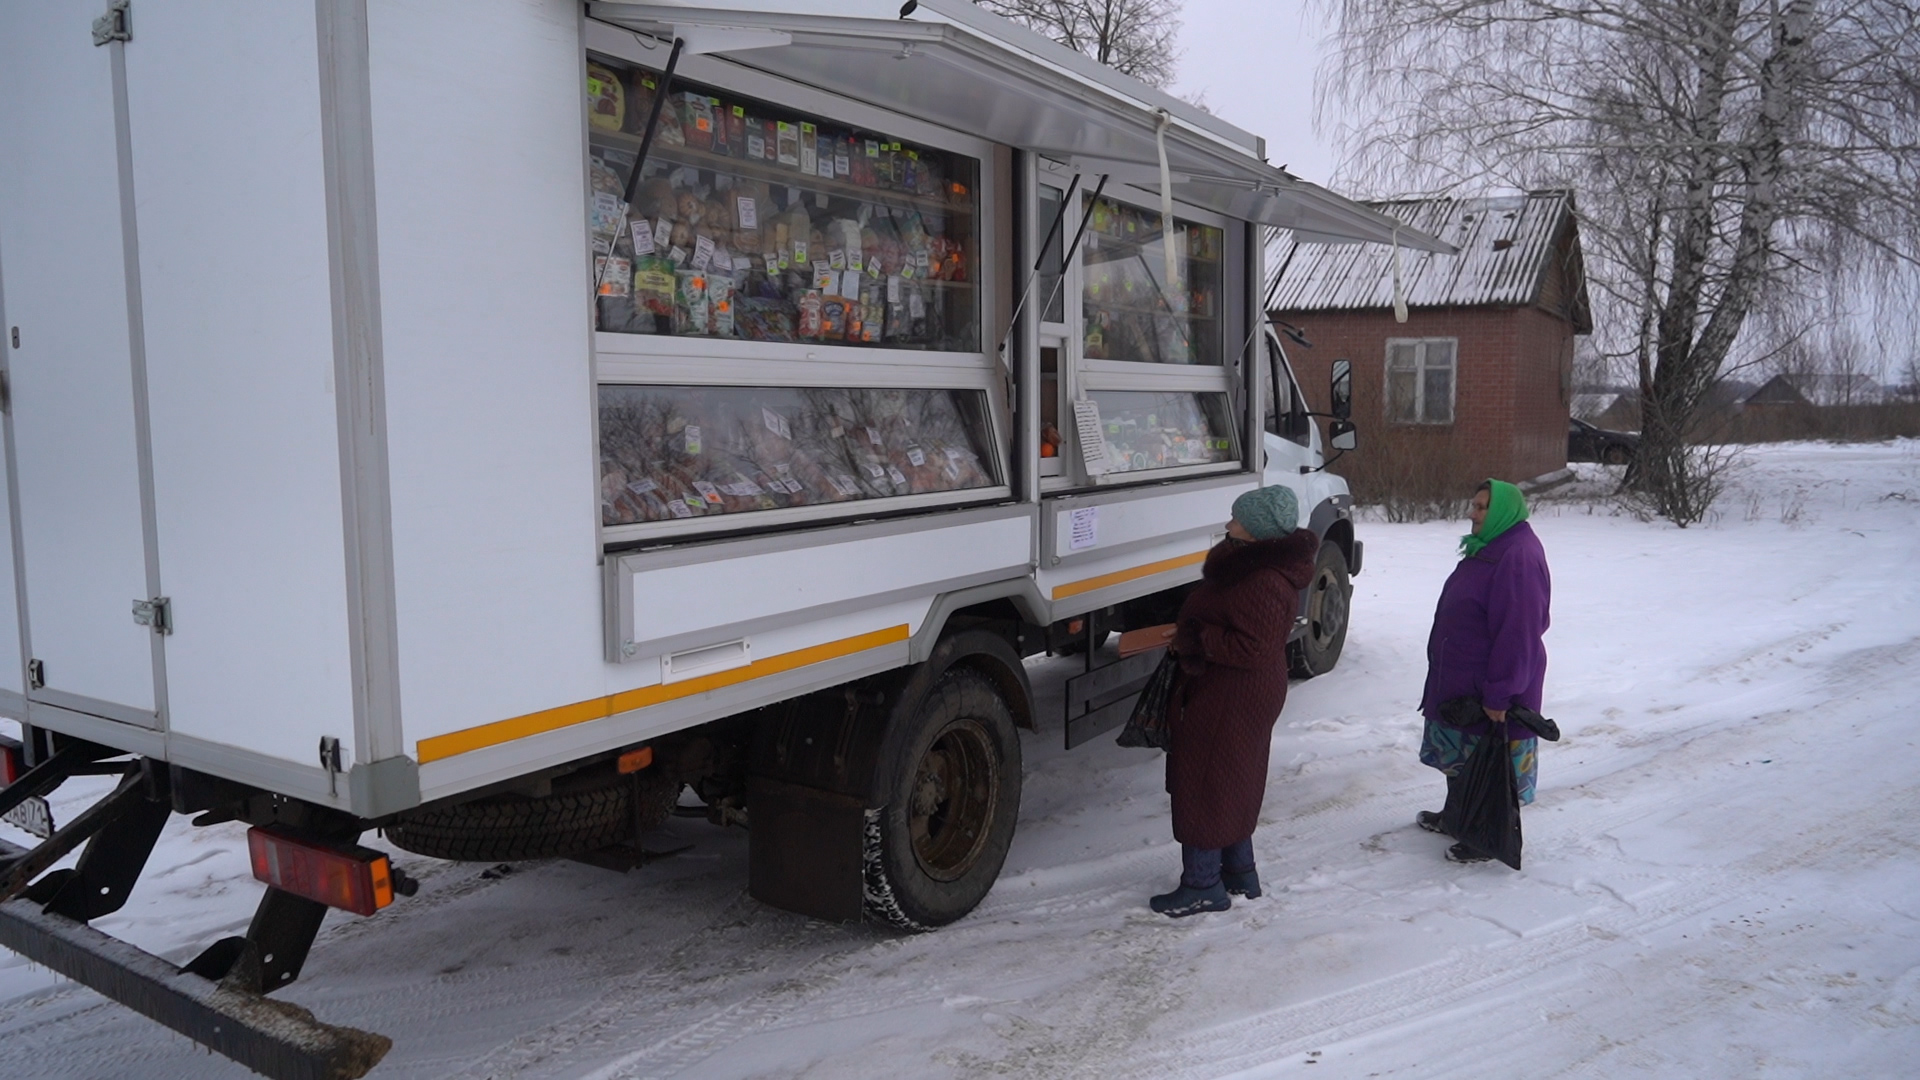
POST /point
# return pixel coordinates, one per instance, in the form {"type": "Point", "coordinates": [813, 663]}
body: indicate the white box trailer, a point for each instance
{"type": "Point", "coordinates": [396, 439]}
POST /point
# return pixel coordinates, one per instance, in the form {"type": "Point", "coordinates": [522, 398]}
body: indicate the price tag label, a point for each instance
{"type": "Point", "coordinates": [1093, 440]}
{"type": "Point", "coordinates": [748, 211]}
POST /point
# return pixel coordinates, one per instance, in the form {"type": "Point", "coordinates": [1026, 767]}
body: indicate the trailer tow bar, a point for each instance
{"type": "Point", "coordinates": [217, 1000]}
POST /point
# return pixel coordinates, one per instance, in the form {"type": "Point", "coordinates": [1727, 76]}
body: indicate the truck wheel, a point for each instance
{"type": "Point", "coordinates": [934, 849]}
{"type": "Point", "coordinates": [596, 813]}
{"type": "Point", "coordinates": [1328, 602]}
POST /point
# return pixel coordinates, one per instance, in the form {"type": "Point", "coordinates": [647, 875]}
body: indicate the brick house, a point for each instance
{"type": "Point", "coordinates": [1478, 381]}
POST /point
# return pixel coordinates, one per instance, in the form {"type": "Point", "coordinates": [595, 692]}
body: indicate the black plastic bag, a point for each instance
{"type": "Point", "coordinates": [1487, 817]}
{"type": "Point", "coordinates": [1147, 727]}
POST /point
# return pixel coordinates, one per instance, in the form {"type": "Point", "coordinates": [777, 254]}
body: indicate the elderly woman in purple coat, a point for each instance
{"type": "Point", "coordinates": [1486, 645]}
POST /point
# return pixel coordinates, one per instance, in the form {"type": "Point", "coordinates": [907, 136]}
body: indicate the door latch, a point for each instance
{"type": "Point", "coordinates": [36, 674]}
{"type": "Point", "coordinates": [156, 613]}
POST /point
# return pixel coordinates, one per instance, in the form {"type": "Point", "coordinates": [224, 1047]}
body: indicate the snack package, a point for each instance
{"type": "Point", "coordinates": [811, 313]}
{"type": "Point", "coordinates": [606, 99]}
{"type": "Point", "coordinates": [692, 309]}
{"type": "Point", "coordinates": [720, 299]}
{"type": "Point", "coordinates": [641, 90]}
{"type": "Point", "coordinates": [843, 234]}
{"type": "Point", "coordinates": [653, 288]}
{"type": "Point", "coordinates": [723, 142]}
{"type": "Point", "coordinates": [763, 319]}
{"type": "Point", "coordinates": [787, 144]}
{"type": "Point", "coordinates": [696, 120]}
{"type": "Point", "coordinates": [833, 318]}
{"type": "Point", "coordinates": [873, 311]}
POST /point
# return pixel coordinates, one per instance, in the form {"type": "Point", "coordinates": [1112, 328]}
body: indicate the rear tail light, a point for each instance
{"type": "Point", "coordinates": [348, 877]}
{"type": "Point", "coordinates": [12, 761]}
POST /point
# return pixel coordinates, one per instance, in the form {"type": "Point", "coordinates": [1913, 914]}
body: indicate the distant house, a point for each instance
{"type": "Point", "coordinates": [1824, 391]}
{"type": "Point", "coordinates": [1478, 381]}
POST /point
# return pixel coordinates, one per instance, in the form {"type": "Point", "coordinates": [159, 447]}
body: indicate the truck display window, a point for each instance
{"type": "Point", "coordinates": [1130, 312]}
{"type": "Point", "coordinates": [754, 222]}
{"type": "Point", "coordinates": [677, 452]}
{"type": "Point", "coordinates": [1152, 429]}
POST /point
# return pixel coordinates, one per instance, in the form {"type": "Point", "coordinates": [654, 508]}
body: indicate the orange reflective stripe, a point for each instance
{"type": "Point", "coordinates": [1075, 588]}
{"type": "Point", "coordinates": [439, 747]}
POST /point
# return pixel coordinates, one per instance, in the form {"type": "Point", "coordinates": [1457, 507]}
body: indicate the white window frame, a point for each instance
{"type": "Point", "coordinates": [667, 360]}
{"type": "Point", "coordinates": [1420, 368]}
{"type": "Point", "coordinates": [1081, 377]}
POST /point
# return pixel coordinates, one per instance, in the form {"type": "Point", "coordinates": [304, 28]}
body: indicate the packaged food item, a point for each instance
{"type": "Point", "coordinates": [692, 308]}
{"type": "Point", "coordinates": [615, 275]}
{"type": "Point", "coordinates": [720, 299]}
{"type": "Point", "coordinates": [833, 318]}
{"type": "Point", "coordinates": [873, 311]}
{"type": "Point", "coordinates": [606, 99]}
{"type": "Point", "coordinates": [763, 319]}
{"type": "Point", "coordinates": [723, 140]}
{"type": "Point", "coordinates": [696, 120]}
{"type": "Point", "coordinates": [809, 149]}
{"type": "Point", "coordinates": [811, 313]}
{"type": "Point", "coordinates": [653, 287]}
{"type": "Point", "coordinates": [787, 144]}
{"type": "Point", "coordinates": [641, 90]}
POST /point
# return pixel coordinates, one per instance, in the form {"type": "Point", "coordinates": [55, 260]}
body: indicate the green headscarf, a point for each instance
{"type": "Point", "coordinates": [1506, 507]}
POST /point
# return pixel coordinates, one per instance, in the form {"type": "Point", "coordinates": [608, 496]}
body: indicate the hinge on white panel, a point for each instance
{"type": "Point", "coordinates": [330, 760]}
{"type": "Point", "coordinates": [157, 613]}
{"type": "Point", "coordinates": [36, 674]}
{"type": "Point", "coordinates": [6, 392]}
{"type": "Point", "coordinates": [115, 25]}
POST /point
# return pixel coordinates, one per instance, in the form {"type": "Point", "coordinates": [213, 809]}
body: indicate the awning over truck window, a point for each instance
{"type": "Point", "coordinates": [955, 65]}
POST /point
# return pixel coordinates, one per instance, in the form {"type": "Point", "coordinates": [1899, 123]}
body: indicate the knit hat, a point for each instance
{"type": "Point", "coordinates": [1268, 512]}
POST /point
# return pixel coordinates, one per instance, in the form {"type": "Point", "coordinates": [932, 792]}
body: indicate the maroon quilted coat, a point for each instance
{"type": "Point", "coordinates": [1232, 645]}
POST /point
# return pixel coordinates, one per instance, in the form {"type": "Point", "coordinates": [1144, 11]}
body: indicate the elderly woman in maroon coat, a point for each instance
{"type": "Point", "coordinates": [1231, 641]}
{"type": "Point", "coordinates": [1486, 646]}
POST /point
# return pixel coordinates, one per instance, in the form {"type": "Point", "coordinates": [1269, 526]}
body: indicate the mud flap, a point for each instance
{"type": "Point", "coordinates": [807, 854]}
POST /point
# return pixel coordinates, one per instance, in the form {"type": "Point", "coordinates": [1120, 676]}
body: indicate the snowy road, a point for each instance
{"type": "Point", "coordinates": [1721, 874]}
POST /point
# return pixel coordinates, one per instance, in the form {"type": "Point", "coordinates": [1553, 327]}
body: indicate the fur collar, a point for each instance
{"type": "Point", "coordinates": [1292, 555]}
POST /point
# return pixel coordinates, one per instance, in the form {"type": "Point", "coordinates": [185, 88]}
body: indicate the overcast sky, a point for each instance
{"type": "Point", "coordinates": [1254, 60]}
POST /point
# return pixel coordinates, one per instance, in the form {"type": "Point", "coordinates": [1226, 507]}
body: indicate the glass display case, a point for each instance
{"type": "Point", "coordinates": [680, 452]}
{"type": "Point", "coordinates": [755, 222]}
{"type": "Point", "coordinates": [1143, 430]}
{"type": "Point", "coordinates": [1129, 311]}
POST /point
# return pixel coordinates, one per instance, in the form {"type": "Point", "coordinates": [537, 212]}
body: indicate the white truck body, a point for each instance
{"type": "Point", "coordinates": [298, 297]}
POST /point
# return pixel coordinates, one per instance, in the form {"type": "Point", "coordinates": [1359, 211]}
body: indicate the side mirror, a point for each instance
{"type": "Point", "coordinates": [1343, 435]}
{"type": "Point", "coordinates": [1342, 389]}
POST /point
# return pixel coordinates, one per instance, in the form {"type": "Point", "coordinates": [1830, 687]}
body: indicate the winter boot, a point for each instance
{"type": "Point", "coordinates": [1431, 822]}
{"type": "Point", "coordinates": [1247, 884]}
{"type": "Point", "coordinates": [1187, 900]}
{"type": "Point", "coordinates": [1461, 853]}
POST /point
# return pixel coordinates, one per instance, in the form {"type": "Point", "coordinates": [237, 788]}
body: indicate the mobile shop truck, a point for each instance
{"type": "Point", "coordinates": [395, 441]}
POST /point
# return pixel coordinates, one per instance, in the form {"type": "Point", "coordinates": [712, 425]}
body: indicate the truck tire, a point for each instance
{"type": "Point", "coordinates": [503, 828]}
{"type": "Point", "coordinates": [935, 847]}
{"type": "Point", "coordinates": [1328, 601]}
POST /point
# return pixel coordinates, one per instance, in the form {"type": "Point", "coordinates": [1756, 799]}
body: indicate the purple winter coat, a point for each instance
{"type": "Point", "coordinates": [1487, 629]}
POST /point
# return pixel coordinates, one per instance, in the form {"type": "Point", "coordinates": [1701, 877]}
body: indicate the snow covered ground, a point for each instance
{"type": "Point", "coordinates": [1721, 874]}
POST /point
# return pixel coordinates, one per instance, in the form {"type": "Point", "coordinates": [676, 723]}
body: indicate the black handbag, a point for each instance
{"type": "Point", "coordinates": [1147, 727]}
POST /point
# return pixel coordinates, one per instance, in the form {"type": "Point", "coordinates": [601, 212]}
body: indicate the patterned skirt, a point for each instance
{"type": "Point", "coordinates": [1447, 748]}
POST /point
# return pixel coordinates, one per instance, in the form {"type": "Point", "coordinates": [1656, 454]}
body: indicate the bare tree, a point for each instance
{"type": "Point", "coordinates": [1134, 37]}
{"type": "Point", "coordinates": [1728, 155]}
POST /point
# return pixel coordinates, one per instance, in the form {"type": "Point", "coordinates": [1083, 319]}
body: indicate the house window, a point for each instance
{"type": "Point", "coordinates": [1420, 380]}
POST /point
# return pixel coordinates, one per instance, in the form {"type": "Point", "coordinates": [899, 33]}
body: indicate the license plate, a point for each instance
{"type": "Point", "coordinates": [34, 815]}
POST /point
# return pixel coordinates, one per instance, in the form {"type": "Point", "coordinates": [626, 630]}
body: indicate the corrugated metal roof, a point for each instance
{"type": "Point", "coordinates": [1506, 246]}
